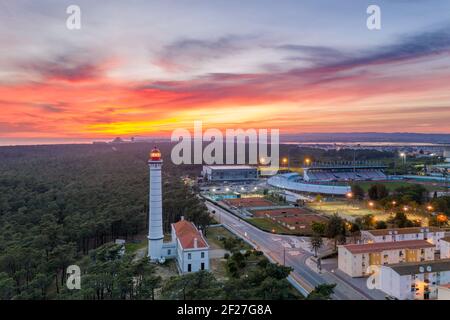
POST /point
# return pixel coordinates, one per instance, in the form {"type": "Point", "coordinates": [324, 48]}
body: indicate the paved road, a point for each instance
{"type": "Point", "coordinates": [289, 250]}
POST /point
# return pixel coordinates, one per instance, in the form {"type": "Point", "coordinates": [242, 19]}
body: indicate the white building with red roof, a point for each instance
{"type": "Point", "coordinates": [192, 250]}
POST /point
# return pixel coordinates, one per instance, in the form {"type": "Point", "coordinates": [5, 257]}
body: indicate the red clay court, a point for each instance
{"type": "Point", "coordinates": [249, 202]}
{"type": "Point", "coordinates": [280, 212]}
{"type": "Point", "coordinates": [300, 223]}
{"type": "Point", "coordinates": [293, 219]}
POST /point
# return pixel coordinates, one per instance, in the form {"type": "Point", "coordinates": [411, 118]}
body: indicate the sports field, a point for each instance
{"type": "Point", "coordinates": [392, 185]}
{"type": "Point", "coordinates": [351, 211]}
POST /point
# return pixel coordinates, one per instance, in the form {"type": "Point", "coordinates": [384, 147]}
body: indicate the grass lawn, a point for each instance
{"type": "Point", "coordinates": [352, 211]}
{"type": "Point", "coordinates": [131, 247]}
{"type": "Point", "coordinates": [342, 207]}
{"type": "Point", "coordinates": [214, 235]}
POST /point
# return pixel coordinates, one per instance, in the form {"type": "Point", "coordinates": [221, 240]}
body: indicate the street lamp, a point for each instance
{"type": "Point", "coordinates": [441, 218]}
{"type": "Point", "coordinates": [307, 161]}
{"type": "Point", "coordinates": [371, 204]}
{"type": "Point", "coordinates": [349, 195]}
{"type": "Point", "coordinates": [285, 161]}
{"type": "Point", "coordinates": [429, 208]}
{"type": "Point", "coordinates": [403, 156]}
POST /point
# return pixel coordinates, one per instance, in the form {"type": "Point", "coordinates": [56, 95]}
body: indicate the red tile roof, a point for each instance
{"type": "Point", "coordinates": [186, 233]}
{"type": "Point", "coordinates": [382, 246]}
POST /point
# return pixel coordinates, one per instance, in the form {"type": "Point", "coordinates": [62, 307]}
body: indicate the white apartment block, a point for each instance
{"type": "Point", "coordinates": [445, 248]}
{"type": "Point", "coordinates": [444, 292]}
{"type": "Point", "coordinates": [430, 234]}
{"type": "Point", "coordinates": [415, 281]}
{"type": "Point", "coordinates": [191, 248]}
{"type": "Point", "coordinates": [355, 259]}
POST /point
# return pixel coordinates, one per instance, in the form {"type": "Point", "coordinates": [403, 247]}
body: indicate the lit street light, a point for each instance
{"type": "Point", "coordinates": [441, 218]}
{"type": "Point", "coordinates": [403, 156]}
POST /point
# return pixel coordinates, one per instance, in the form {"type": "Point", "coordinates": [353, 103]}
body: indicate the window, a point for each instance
{"type": "Point", "coordinates": [202, 266]}
{"type": "Point", "coordinates": [189, 267]}
{"type": "Point", "coordinates": [202, 255]}
{"type": "Point", "coordinates": [189, 256]}
{"type": "Point", "coordinates": [169, 252]}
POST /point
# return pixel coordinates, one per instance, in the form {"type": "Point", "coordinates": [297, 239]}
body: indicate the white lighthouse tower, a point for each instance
{"type": "Point", "coordinates": [155, 227]}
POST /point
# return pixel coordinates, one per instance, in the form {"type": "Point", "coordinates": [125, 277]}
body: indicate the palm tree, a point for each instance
{"type": "Point", "coordinates": [316, 242]}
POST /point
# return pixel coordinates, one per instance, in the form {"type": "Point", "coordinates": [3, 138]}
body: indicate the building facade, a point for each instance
{"type": "Point", "coordinates": [229, 173]}
{"type": "Point", "coordinates": [445, 248]}
{"type": "Point", "coordinates": [355, 259]}
{"type": "Point", "coordinates": [415, 281]}
{"type": "Point", "coordinates": [444, 292]}
{"type": "Point", "coordinates": [192, 250]}
{"type": "Point", "coordinates": [430, 234]}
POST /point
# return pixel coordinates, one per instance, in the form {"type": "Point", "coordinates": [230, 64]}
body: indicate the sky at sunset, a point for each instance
{"type": "Point", "coordinates": [142, 68]}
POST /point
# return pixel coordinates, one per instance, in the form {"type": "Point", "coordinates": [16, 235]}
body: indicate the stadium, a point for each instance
{"type": "Point", "coordinates": [329, 178]}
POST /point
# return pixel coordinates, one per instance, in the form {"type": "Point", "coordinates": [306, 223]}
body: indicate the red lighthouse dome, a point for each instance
{"type": "Point", "coordinates": [155, 154]}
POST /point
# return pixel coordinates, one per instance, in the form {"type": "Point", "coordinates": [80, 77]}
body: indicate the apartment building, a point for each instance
{"type": "Point", "coordinates": [355, 259]}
